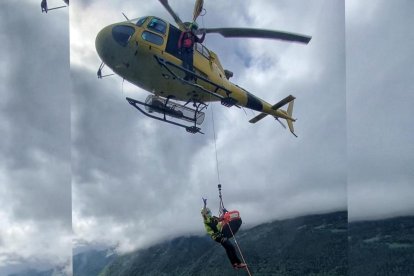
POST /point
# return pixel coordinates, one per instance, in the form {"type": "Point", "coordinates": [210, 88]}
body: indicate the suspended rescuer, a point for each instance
{"type": "Point", "coordinates": [213, 228]}
{"type": "Point", "coordinates": [186, 46]}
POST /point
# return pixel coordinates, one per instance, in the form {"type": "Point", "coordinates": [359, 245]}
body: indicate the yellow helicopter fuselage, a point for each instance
{"type": "Point", "coordinates": [131, 49]}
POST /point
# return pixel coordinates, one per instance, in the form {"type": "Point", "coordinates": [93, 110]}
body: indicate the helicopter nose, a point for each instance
{"type": "Point", "coordinates": [103, 44]}
{"type": "Point", "coordinates": [112, 40]}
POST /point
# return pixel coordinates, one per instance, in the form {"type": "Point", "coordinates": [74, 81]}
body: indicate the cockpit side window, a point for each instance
{"type": "Point", "coordinates": [158, 26]}
{"type": "Point", "coordinates": [203, 50]}
{"type": "Point", "coordinates": [153, 38]}
{"type": "Point", "coordinates": [141, 21]}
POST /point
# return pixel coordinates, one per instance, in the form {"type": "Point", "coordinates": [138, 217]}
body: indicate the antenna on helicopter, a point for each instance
{"type": "Point", "coordinates": [125, 16]}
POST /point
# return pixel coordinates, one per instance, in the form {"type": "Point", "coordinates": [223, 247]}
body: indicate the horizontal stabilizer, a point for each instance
{"type": "Point", "coordinates": [258, 118]}
{"type": "Point", "coordinates": [286, 100]}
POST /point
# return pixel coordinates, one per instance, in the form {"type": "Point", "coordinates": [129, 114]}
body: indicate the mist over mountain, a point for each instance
{"type": "Point", "coordinates": [92, 262]}
{"type": "Point", "coordinates": [56, 271]}
{"type": "Point", "coordinates": [309, 245]}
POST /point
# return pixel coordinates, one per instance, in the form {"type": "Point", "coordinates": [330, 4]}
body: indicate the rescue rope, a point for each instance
{"type": "Point", "coordinates": [238, 248]}
{"type": "Point", "coordinates": [221, 208]}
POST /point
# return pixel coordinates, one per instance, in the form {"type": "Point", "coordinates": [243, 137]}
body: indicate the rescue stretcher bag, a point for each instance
{"type": "Point", "coordinates": [231, 219]}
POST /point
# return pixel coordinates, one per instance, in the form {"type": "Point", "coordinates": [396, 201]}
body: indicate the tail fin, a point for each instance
{"type": "Point", "coordinates": [289, 122]}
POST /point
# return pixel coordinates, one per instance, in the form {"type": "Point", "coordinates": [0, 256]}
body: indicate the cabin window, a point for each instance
{"type": "Point", "coordinates": [141, 21]}
{"type": "Point", "coordinates": [203, 50]}
{"type": "Point", "coordinates": [153, 38]}
{"type": "Point", "coordinates": [158, 26]}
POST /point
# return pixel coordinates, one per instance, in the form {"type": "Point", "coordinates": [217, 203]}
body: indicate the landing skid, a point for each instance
{"type": "Point", "coordinates": [226, 101]}
{"type": "Point", "coordinates": [164, 110]}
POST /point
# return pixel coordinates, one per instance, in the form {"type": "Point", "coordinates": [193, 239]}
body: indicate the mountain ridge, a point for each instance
{"type": "Point", "coordinates": [307, 245]}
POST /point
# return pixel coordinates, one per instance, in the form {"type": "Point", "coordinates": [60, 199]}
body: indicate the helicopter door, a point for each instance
{"type": "Point", "coordinates": [172, 42]}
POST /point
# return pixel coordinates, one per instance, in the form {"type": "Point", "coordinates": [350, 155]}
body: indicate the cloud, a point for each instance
{"type": "Point", "coordinates": [379, 85]}
{"type": "Point", "coordinates": [35, 191]}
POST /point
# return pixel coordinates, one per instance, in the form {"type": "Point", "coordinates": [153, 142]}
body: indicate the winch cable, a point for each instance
{"type": "Point", "coordinates": [221, 208]}
{"type": "Point", "coordinates": [215, 145]}
{"type": "Point", "coordinates": [220, 196]}
{"type": "Point", "coordinates": [231, 230]}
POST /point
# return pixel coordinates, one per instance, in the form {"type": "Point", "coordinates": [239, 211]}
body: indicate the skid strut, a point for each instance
{"type": "Point", "coordinates": [175, 110]}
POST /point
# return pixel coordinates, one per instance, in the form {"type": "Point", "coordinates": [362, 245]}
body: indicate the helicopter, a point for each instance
{"type": "Point", "coordinates": [144, 51]}
{"type": "Point", "coordinates": [45, 8]}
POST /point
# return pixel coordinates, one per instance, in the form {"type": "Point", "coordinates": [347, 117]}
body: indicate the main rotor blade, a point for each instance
{"type": "Point", "coordinates": [258, 33]}
{"type": "Point", "coordinates": [198, 7]}
{"type": "Point", "coordinates": [173, 14]}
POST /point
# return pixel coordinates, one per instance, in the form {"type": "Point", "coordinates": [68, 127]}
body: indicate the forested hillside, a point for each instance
{"type": "Point", "coordinates": [310, 245]}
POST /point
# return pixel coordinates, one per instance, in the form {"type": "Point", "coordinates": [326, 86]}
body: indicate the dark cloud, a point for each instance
{"type": "Point", "coordinates": [37, 111]}
{"type": "Point", "coordinates": [35, 192]}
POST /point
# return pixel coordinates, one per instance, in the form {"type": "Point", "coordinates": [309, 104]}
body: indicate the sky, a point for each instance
{"type": "Point", "coordinates": [379, 43]}
{"type": "Point", "coordinates": [35, 162]}
{"type": "Point", "coordinates": [136, 181]}
{"type": "Point", "coordinates": [78, 162]}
